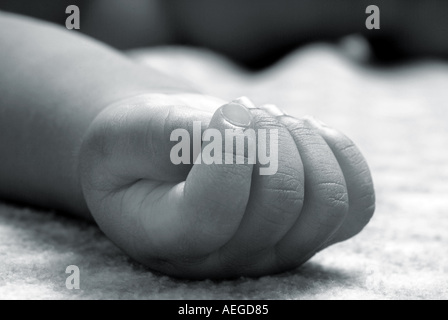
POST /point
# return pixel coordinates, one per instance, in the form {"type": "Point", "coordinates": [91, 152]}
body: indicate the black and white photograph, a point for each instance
{"type": "Point", "coordinates": [241, 151]}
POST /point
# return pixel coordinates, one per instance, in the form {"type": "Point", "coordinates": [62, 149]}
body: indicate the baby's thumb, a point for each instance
{"type": "Point", "coordinates": [217, 188]}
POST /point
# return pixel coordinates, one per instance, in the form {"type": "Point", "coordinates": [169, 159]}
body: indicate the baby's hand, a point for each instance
{"type": "Point", "coordinates": [221, 220]}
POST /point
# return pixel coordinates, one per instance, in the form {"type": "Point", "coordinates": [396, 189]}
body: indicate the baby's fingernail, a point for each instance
{"type": "Point", "coordinates": [245, 101]}
{"type": "Point", "coordinates": [273, 110]}
{"type": "Point", "coordinates": [237, 114]}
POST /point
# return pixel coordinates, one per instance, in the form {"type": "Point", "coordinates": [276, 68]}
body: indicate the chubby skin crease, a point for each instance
{"type": "Point", "coordinates": [222, 221]}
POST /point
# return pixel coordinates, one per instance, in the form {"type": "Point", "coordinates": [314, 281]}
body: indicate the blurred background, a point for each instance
{"type": "Point", "coordinates": [255, 33]}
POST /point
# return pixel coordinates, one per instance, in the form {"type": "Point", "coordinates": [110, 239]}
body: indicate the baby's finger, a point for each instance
{"type": "Point", "coordinates": [359, 182]}
{"type": "Point", "coordinates": [200, 215]}
{"type": "Point", "coordinates": [275, 201]}
{"type": "Point", "coordinates": [326, 201]}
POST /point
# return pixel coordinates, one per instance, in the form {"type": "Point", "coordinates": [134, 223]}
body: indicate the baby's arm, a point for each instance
{"type": "Point", "coordinates": [53, 83]}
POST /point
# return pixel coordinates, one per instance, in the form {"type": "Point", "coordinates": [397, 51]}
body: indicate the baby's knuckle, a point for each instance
{"type": "Point", "coordinates": [282, 198]}
{"type": "Point", "coordinates": [308, 120]}
{"type": "Point", "coordinates": [267, 121]}
{"type": "Point", "coordinates": [284, 202]}
{"type": "Point", "coordinates": [335, 197]}
{"type": "Point", "coordinates": [349, 149]}
{"type": "Point", "coordinates": [286, 188]}
{"type": "Point", "coordinates": [300, 128]}
{"type": "Point", "coordinates": [339, 204]}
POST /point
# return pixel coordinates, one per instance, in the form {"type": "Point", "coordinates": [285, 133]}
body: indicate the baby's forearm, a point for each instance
{"type": "Point", "coordinates": [53, 82]}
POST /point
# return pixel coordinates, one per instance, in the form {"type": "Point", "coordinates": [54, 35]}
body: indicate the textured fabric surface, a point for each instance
{"type": "Point", "coordinates": [399, 119]}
